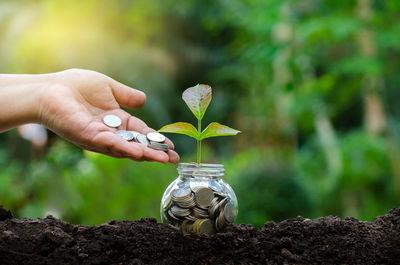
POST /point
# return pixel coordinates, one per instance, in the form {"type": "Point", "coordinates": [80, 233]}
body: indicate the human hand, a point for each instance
{"type": "Point", "coordinates": [74, 105]}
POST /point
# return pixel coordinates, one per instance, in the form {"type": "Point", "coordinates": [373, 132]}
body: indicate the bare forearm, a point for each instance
{"type": "Point", "coordinates": [20, 98]}
{"type": "Point", "coordinates": [72, 103]}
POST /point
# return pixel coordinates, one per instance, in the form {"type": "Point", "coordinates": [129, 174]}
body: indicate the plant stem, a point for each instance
{"type": "Point", "coordinates": [199, 142]}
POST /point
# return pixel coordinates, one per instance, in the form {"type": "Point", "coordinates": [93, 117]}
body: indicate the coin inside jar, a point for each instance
{"type": "Point", "coordinates": [181, 193]}
{"type": "Point", "coordinates": [229, 212]}
{"type": "Point", "coordinates": [203, 197]}
{"type": "Point", "coordinates": [196, 207]}
{"type": "Point", "coordinates": [179, 212]}
{"type": "Point", "coordinates": [203, 226]}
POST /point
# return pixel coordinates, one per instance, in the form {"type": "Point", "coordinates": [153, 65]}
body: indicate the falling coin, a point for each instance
{"type": "Point", "coordinates": [112, 121]}
{"type": "Point", "coordinates": [156, 137]}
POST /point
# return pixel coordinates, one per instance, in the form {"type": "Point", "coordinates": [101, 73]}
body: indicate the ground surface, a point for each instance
{"type": "Point", "coordinates": [326, 240]}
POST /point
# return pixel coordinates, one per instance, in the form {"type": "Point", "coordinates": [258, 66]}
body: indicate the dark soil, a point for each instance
{"type": "Point", "coordinates": [326, 240]}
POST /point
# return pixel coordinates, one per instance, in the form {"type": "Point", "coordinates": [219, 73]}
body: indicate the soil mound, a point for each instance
{"type": "Point", "coordinates": [326, 240]}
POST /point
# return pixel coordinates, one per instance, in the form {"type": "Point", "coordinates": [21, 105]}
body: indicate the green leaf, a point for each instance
{"type": "Point", "coordinates": [215, 129]}
{"type": "Point", "coordinates": [181, 128]}
{"type": "Point", "coordinates": [197, 98]}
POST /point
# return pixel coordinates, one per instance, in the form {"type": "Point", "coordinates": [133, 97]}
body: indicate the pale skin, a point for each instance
{"type": "Point", "coordinates": [72, 104]}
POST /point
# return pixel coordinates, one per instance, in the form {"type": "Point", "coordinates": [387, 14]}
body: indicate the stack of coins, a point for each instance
{"type": "Point", "coordinates": [153, 140]}
{"type": "Point", "coordinates": [198, 209]}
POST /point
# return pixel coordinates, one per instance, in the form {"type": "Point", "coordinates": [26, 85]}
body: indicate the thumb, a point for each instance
{"type": "Point", "coordinates": [126, 96]}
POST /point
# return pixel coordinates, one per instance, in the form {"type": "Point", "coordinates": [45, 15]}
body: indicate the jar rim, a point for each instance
{"type": "Point", "coordinates": [201, 170]}
{"type": "Point", "coordinates": [201, 165]}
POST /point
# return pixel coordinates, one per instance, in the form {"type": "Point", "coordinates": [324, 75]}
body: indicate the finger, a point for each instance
{"type": "Point", "coordinates": [128, 122]}
{"type": "Point", "coordinates": [155, 155]}
{"type": "Point", "coordinates": [132, 123]}
{"type": "Point", "coordinates": [147, 153]}
{"type": "Point", "coordinates": [126, 96]}
{"type": "Point", "coordinates": [113, 145]}
{"type": "Point", "coordinates": [138, 125]}
{"type": "Point", "coordinates": [118, 147]}
{"type": "Point", "coordinates": [173, 157]}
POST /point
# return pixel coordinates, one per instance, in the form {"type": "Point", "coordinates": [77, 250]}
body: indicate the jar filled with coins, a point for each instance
{"type": "Point", "coordinates": [199, 200]}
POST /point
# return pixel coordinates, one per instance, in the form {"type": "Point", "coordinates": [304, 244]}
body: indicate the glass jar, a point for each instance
{"type": "Point", "coordinates": [199, 200]}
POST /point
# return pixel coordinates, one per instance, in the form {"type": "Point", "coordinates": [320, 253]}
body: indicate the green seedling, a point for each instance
{"type": "Point", "coordinates": [198, 98]}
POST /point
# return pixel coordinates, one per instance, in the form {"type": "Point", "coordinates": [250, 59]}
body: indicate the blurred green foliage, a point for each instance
{"type": "Point", "coordinates": [312, 84]}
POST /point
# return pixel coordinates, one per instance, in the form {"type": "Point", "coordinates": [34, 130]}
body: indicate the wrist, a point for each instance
{"type": "Point", "coordinates": [21, 99]}
{"type": "Point", "coordinates": [42, 89]}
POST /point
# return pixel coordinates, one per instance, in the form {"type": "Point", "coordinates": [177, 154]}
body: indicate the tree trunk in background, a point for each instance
{"type": "Point", "coordinates": [329, 144]}
{"type": "Point", "coordinates": [282, 35]}
{"type": "Point", "coordinates": [394, 156]}
{"type": "Point", "coordinates": [276, 123]}
{"type": "Point", "coordinates": [374, 113]}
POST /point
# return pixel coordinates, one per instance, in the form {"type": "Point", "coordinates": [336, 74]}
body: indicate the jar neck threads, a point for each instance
{"type": "Point", "coordinates": [194, 170]}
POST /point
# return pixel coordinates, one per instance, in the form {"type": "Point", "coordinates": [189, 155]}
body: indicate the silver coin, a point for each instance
{"type": "Point", "coordinates": [170, 216]}
{"type": "Point", "coordinates": [127, 135]}
{"type": "Point", "coordinates": [161, 145]}
{"type": "Point", "coordinates": [135, 134]}
{"type": "Point", "coordinates": [215, 186]}
{"type": "Point", "coordinates": [229, 213]}
{"type": "Point", "coordinates": [213, 207]}
{"type": "Point", "coordinates": [141, 138]}
{"type": "Point", "coordinates": [156, 137]}
{"type": "Point", "coordinates": [203, 197]}
{"type": "Point", "coordinates": [216, 208]}
{"type": "Point", "coordinates": [179, 212]}
{"type": "Point", "coordinates": [216, 224]}
{"type": "Point", "coordinates": [221, 204]}
{"type": "Point", "coordinates": [191, 218]}
{"type": "Point", "coordinates": [112, 121]}
{"type": "Point", "coordinates": [220, 194]}
{"type": "Point", "coordinates": [158, 146]}
{"type": "Point", "coordinates": [200, 213]}
{"type": "Point", "coordinates": [181, 193]}
{"type": "Point", "coordinates": [186, 203]}
{"type": "Point", "coordinates": [221, 220]}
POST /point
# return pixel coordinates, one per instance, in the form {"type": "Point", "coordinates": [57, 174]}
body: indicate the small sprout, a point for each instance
{"type": "Point", "coordinates": [198, 98]}
{"type": "Point", "coordinates": [181, 128]}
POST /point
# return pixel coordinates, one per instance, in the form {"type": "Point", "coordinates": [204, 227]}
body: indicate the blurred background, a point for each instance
{"type": "Point", "coordinates": [313, 85]}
